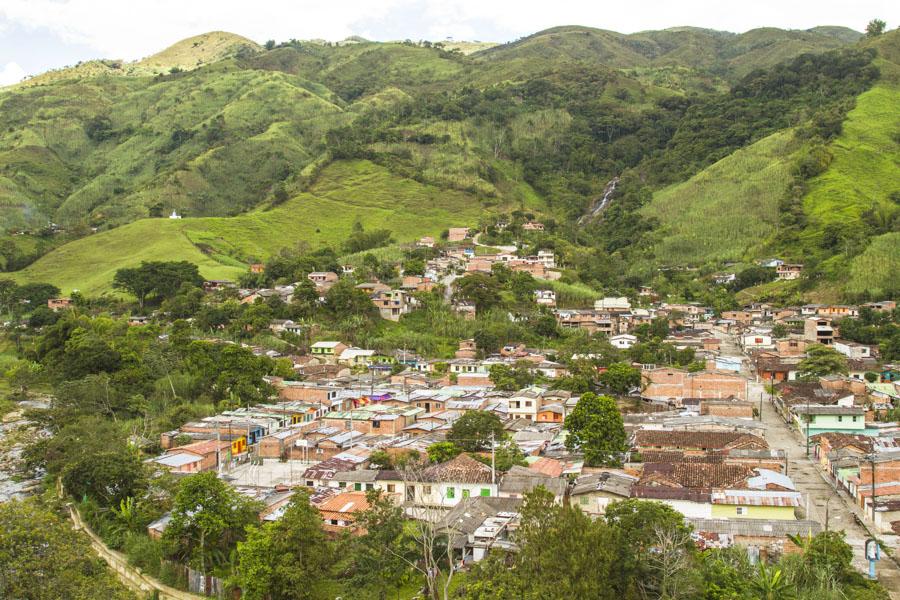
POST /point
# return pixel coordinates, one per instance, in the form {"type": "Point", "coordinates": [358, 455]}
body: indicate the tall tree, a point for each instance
{"type": "Point", "coordinates": [43, 558]}
{"type": "Point", "coordinates": [475, 429]}
{"type": "Point", "coordinates": [157, 278]}
{"type": "Point", "coordinates": [289, 559]}
{"type": "Point", "coordinates": [821, 360]}
{"type": "Point", "coordinates": [483, 290]}
{"type": "Point", "coordinates": [382, 558]}
{"type": "Point", "coordinates": [621, 378]}
{"type": "Point", "coordinates": [343, 300]}
{"type": "Point", "coordinates": [563, 553]}
{"type": "Point", "coordinates": [645, 529]}
{"type": "Point", "coordinates": [596, 427]}
{"type": "Point", "coordinates": [208, 518]}
{"type": "Point", "coordinates": [875, 28]}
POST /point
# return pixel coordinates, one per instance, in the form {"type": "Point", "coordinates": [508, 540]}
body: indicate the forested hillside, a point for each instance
{"type": "Point", "coordinates": [264, 147]}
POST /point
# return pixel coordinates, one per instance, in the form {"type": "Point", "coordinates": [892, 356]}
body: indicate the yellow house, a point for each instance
{"type": "Point", "coordinates": [767, 495]}
{"type": "Point", "coordinates": [774, 507]}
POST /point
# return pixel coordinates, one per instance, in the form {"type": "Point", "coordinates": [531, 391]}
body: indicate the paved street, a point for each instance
{"type": "Point", "coordinates": [822, 501]}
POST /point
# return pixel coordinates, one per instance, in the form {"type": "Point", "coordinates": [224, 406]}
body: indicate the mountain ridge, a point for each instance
{"type": "Point", "coordinates": [257, 127]}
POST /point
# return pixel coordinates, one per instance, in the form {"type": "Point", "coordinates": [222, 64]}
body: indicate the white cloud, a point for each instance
{"type": "Point", "coordinates": [11, 73]}
{"type": "Point", "coordinates": [134, 28]}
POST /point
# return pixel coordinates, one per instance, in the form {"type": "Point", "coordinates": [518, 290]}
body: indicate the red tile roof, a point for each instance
{"type": "Point", "coordinates": [462, 469]}
{"type": "Point", "coordinates": [700, 476]}
{"type": "Point", "coordinates": [696, 440]}
{"type": "Point", "coordinates": [547, 466]}
{"type": "Point", "coordinates": [344, 506]}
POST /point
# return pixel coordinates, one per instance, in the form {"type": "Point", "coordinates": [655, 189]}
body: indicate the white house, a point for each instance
{"type": "Point", "coordinates": [448, 483]}
{"type": "Point", "coordinates": [623, 341]}
{"type": "Point", "coordinates": [545, 297]}
{"type": "Point", "coordinates": [852, 350]}
{"type": "Point", "coordinates": [356, 356]}
{"type": "Point", "coordinates": [619, 304]}
{"type": "Point", "coordinates": [547, 258]}
{"type": "Point", "coordinates": [525, 404]}
{"type": "Point", "coordinates": [757, 341]}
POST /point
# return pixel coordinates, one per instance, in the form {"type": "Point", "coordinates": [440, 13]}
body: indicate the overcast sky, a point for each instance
{"type": "Point", "coordinates": [36, 35]}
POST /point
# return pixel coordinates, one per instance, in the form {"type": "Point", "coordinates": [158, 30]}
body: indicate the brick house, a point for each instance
{"type": "Point", "coordinates": [675, 384]}
{"type": "Point", "coordinates": [457, 234]}
{"type": "Point", "coordinates": [56, 304]}
{"type": "Point", "coordinates": [339, 512]}
{"type": "Point", "coordinates": [788, 272]}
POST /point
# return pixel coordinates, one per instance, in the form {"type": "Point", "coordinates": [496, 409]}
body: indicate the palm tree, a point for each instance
{"type": "Point", "coordinates": [769, 584]}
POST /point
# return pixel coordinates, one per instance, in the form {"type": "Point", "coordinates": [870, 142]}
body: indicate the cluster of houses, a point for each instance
{"type": "Point", "coordinates": [784, 271]}
{"type": "Point", "coordinates": [695, 444]}
{"type": "Point", "coordinates": [352, 418]}
{"type": "Point", "coordinates": [706, 458]}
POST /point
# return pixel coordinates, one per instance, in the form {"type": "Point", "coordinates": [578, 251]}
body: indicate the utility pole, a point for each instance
{"type": "Point", "coordinates": [219, 449]}
{"type": "Point", "coordinates": [808, 421]}
{"type": "Point", "coordinates": [874, 493]}
{"type": "Point", "coordinates": [494, 463]}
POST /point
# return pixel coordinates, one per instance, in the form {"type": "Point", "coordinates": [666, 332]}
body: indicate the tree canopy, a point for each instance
{"type": "Point", "coordinates": [475, 429]}
{"type": "Point", "coordinates": [157, 280]}
{"type": "Point", "coordinates": [43, 558]}
{"type": "Point", "coordinates": [595, 426]}
{"type": "Point", "coordinates": [821, 360]}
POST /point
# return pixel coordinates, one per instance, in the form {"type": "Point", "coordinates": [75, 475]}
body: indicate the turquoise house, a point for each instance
{"type": "Point", "coordinates": [820, 418]}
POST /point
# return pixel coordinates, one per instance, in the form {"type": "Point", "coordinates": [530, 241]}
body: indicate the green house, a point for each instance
{"type": "Point", "coordinates": [820, 418]}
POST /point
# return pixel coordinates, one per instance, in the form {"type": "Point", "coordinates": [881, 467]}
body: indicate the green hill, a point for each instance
{"type": "Point", "coordinates": [730, 211]}
{"type": "Point", "coordinates": [726, 54]}
{"type": "Point", "coordinates": [345, 192]}
{"type": "Point", "coordinates": [263, 148]}
{"type": "Point", "coordinates": [199, 50]}
{"type": "Point", "coordinates": [727, 212]}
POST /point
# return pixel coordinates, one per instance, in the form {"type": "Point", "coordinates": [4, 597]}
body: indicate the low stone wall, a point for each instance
{"type": "Point", "coordinates": [131, 576]}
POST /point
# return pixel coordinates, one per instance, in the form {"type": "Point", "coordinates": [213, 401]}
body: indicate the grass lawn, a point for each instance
{"type": "Point", "coordinates": [876, 269]}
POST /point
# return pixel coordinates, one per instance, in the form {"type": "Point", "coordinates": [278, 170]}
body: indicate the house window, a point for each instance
{"type": "Point", "coordinates": [840, 418]}
{"type": "Point", "coordinates": [342, 484]}
{"type": "Point", "coordinates": [451, 493]}
{"type": "Point", "coordinates": [410, 493]}
{"type": "Point", "coordinates": [391, 488]}
{"type": "Point", "coordinates": [583, 500]}
{"type": "Point", "coordinates": [466, 493]}
{"type": "Point", "coordinates": [528, 403]}
{"type": "Point", "coordinates": [485, 492]}
{"type": "Point", "coordinates": [376, 424]}
{"type": "Point", "coordinates": [741, 510]}
{"type": "Point", "coordinates": [357, 487]}
{"type": "Point", "coordinates": [309, 483]}
{"type": "Point", "coordinates": [370, 486]}
{"type": "Point", "coordinates": [426, 490]}
{"type": "Point", "coordinates": [333, 521]}
{"type": "Point", "coordinates": [854, 419]}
